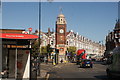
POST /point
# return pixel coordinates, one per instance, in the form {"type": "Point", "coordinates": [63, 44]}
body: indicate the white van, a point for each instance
{"type": "Point", "coordinates": [113, 69]}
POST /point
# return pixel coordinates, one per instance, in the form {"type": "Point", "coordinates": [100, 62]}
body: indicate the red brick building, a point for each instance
{"type": "Point", "coordinates": [61, 35]}
{"type": "Point", "coordinates": [113, 38]}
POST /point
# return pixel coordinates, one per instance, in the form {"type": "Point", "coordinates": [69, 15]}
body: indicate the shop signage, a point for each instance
{"type": "Point", "coordinates": [17, 36]}
{"type": "Point", "coordinates": [25, 32]}
{"type": "Point", "coordinates": [9, 42]}
{"type": "Point", "coordinates": [30, 29]}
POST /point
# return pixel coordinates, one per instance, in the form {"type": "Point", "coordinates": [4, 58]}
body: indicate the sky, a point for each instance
{"type": "Point", "coordinates": [90, 19]}
{"type": "Point", "coordinates": [119, 10]}
{"type": "Point", "coordinates": [0, 14]}
{"type": "Point", "coordinates": [20, 15]}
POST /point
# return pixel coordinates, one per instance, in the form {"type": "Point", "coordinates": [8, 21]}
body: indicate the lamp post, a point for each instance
{"type": "Point", "coordinates": [38, 71]}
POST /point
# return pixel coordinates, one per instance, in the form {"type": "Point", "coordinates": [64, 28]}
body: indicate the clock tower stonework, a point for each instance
{"type": "Point", "coordinates": [61, 36]}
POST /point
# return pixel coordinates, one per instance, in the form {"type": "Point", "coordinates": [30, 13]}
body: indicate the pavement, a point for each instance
{"type": "Point", "coordinates": [46, 69]}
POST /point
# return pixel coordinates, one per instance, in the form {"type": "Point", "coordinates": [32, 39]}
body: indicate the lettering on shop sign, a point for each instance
{"type": "Point", "coordinates": [8, 42]}
{"type": "Point", "coordinates": [14, 36]}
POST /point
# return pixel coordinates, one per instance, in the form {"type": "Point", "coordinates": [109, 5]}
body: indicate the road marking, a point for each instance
{"type": "Point", "coordinates": [47, 77]}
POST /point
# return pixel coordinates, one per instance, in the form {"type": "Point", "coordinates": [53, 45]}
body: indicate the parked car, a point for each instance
{"type": "Point", "coordinates": [86, 63]}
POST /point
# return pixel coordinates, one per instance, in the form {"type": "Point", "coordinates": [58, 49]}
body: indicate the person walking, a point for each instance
{"type": "Point", "coordinates": [61, 60]}
{"type": "Point", "coordinates": [46, 60]}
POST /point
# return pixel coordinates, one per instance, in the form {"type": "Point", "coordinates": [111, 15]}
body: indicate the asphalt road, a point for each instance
{"type": "Point", "coordinates": [73, 71]}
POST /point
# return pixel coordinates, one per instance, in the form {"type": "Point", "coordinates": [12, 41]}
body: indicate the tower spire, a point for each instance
{"type": "Point", "coordinates": [60, 10]}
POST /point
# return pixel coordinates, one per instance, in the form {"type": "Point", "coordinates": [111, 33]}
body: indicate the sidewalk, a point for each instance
{"type": "Point", "coordinates": [47, 68]}
{"type": "Point", "coordinates": [43, 74]}
{"type": "Point", "coordinates": [44, 69]}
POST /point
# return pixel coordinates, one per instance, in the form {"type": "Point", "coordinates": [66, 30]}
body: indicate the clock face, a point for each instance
{"type": "Point", "coordinates": [61, 31]}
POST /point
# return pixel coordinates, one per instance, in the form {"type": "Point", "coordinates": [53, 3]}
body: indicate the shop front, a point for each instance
{"type": "Point", "coordinates": [16, 55]}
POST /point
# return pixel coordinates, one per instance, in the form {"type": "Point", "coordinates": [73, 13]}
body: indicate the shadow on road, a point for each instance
{"type": "Point", "coordinates": [102, 77]}
{"type": "Point", "coordinates": [51, 72]}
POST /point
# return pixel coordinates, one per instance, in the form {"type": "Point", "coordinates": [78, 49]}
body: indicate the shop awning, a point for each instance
{"type": "Point", "coordinates": [17, 36]}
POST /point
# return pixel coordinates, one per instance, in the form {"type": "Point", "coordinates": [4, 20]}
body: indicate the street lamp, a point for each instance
{"type": "Point", "coordinates": [38, 71]}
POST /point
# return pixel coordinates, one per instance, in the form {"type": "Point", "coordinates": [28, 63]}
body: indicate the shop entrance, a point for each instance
{"type": "Point", "coordinates": [20, 58]}
{"type": "Point", "coordinates": [16, 50]}
{"type": "Point", "coordinates": [16, 62]}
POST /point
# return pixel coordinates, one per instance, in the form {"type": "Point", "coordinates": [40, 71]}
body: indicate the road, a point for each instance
{"type": "Point", "coordinates": [71, 70]}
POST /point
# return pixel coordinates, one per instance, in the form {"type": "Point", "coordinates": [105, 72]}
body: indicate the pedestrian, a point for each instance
{"type": "Point", "coordinates": [61, 60]}
{"type": "Point", "coordinates": [4, 73]}
{"type": "Point", "coordinates": [46, 60]}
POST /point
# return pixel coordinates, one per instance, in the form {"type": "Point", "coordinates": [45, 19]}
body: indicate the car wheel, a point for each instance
{"type": "Point", "coordinates": [91, 66]}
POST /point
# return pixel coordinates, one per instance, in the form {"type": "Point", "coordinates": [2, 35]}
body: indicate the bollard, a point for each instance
{"type": "Point", "coordinates": [54, 64]}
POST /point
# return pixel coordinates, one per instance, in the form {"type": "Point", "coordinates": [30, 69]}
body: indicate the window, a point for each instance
{"type": "Point", "coordinates": [67, 42]}
{"type": "Point", "coordinates": [51, 42]}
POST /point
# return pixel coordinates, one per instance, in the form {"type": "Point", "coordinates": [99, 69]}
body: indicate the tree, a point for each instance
{"type": "Point", "coordinates": [48, 48]}
{"type": "Point", "coordinates": [35, 48]}
{"type": "Point", "coordinates": [72, 49]}
{"type": "Point", "coordinates": [44, 49]}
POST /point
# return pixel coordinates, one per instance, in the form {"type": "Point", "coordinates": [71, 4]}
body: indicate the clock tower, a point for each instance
{"type": "Point", "coordinates": [61, 36]}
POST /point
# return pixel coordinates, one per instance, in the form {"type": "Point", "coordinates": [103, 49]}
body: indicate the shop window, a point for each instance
{"type": "Point", "coordinates": [67, 42]}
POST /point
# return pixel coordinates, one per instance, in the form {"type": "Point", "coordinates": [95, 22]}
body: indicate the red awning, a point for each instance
{"type": "Point", "coordinates": [17, 36]}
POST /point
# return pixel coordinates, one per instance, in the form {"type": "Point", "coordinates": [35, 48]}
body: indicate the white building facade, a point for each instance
{"type": "Point", "coordinates": [93, 49]}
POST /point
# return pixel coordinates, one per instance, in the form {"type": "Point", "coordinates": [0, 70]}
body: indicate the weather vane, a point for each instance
{"type": "Point", "coordinates": [50, 1]}
{"type": "Point", "coordinates": [60, 10]}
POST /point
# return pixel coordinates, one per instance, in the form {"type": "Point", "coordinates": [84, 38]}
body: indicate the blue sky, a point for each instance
{"type": "Point", "coordinates": [20, 15]}
{"type": "Point", "coordinates": [90, 19]}
{"type": "Point", "coordinates": [119, 10]}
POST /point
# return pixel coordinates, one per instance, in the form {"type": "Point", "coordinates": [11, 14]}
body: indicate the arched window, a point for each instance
{"type": "Point", "coordinates": [67, 42]}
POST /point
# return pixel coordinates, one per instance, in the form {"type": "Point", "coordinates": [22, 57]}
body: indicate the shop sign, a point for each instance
{"type": "Point", "coordinates": [30, 29]}
{"type": "Point", "coordinates": [8, 42]}
{"type": "Point", "coordinates": [17, 36]}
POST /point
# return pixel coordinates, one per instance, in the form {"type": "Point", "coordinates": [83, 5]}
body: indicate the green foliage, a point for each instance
{"type": "Point", "coordinates": [72, 49]}
{"type": "Point", "coordinates": [48, 48]}
{"type": "Point", "coordinates": [44, 49]}
{"type": "Point", "coordinates": [35, 48]}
